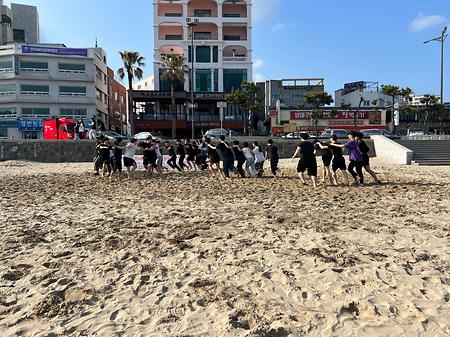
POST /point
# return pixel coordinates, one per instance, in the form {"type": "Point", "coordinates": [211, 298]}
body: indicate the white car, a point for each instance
{"type": "Point", "coordinates": [420, 133]}
{"type": "Point", "coordinates": [296, 135]}
{"type": "Point", "coordinates": [142, 136]}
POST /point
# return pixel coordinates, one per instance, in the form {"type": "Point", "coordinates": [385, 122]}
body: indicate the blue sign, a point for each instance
{"type": "Point", "coordinates": [54, 51]}
{"type": "Point", "coordinates": [8, 124]}
{"type": "Point", "coordinates": [30, 125]}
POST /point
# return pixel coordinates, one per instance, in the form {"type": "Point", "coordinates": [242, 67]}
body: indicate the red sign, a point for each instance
{"type": "Point", "coordinates": [273, 113]}
{"type": "Point", "coordinates": [295, 115]}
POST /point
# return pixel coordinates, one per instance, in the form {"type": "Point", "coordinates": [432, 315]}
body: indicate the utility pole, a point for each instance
{"type": "Point", "coordinates": [191, 24]}
{"type": "Point", "coordinates": [441, 39]}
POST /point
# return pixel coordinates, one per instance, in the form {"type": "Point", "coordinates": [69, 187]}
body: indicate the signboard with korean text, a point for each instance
{"type": "Point", "coordinates": [30, 125]}
{"type": "Point", "coordinates": [341, 114]}
{"type": "Point", "coordinates": [375, 117]}
{"type": "Point", "coordinates": [54, 51]}
{"type": "Point", "coordinates": [290, 127]}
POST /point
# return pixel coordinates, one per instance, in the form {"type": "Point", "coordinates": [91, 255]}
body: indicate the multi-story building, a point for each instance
{"type": "Point", "coordinates": [368, 94]}
{"type": "Point", "coordinates": [288, 93]}
{"type": "Point", "coordinates": [39, 82]}
{"type": "Point", "coordinates": [222, 56]}
{"type": "Point", "coordinates": [416, 100]}
{"type": "Point", "coordinates": [20, 23]}
{"type": "Point", "coordinates": [117, 107]}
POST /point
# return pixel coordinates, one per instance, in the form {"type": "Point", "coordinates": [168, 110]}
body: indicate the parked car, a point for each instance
{"type": "Point", "coordinates": [420, 133]}
{"type": "Point", "coordinates": [338, 132]}
{"type": "Point", "coordinates": [378, 132]}
{"type": "Point", "coordinates": [215, 133]}
{"type": "Point", "coordinates": [296, 135]}
{"type": "Point", "coordinates": [141, 136]}
{"type": "Point", "coordinates": [113, 136]}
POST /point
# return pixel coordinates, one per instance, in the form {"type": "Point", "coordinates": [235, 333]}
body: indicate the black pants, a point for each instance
{"type": "Point", "coordinates": [359, 166]}
{"type": "Point", "coordinates": [200, 161]}
{"type": "Point", "coordinates": [240, 168]}
{"type": "Point", "coordinates": [228, 165]}
{"type": "Point", "coordinates": [172, 162]}
{"type": "Point", "coordinates": [181, 163]}
{"type": "Point", "coordinates": [274, 165]}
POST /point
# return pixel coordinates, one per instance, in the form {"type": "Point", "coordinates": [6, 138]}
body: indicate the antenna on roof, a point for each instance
{"type": "Point", "coordinates": [96, 42]}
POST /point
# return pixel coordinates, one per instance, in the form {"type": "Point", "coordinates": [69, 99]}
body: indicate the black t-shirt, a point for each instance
{"type": "Point", "coordinates": [148, 153]}
{"type": "Point", "coordinates": [181, 150]}
{"type": "Point", "coordinates": [238, 154]}
{"type": "Point", "coordinates": [307, 150]}
{"type": "Point", "coordinates": [224, 150]}
{"type": "Point", "coordinates": [117, 153]}
{"type": "Point", "coordinates": [363, 148]}
{"type": "Point", "coordinates": [326, 153]}
{"type": "Point", "coordinates": [171, 151]}
{"type": "Point", "coordinates": [272, 152]}
{"type": "Point", "coordinates": [104, 151]}
{"type": "Point", "coordinates": [190, 151]}
{"type": "Point", "coordinates": [337, 151]}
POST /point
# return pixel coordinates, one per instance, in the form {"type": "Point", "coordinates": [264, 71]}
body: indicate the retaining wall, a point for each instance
{"type": "Point", "coordinates": [77, 151]}
{"type": "Point", "coordinates": [392, 151]}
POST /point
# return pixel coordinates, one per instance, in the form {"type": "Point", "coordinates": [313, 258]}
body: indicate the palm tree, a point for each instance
{"type": "Point", "coordinates": [133, 63]}
{"type": "Point", "coordinates": [393, 92]}
{"type": "Point", "coordinates": [174, 70]}
{"type": "Point", "coordinates": [406, 93]}
{"type": "Point", "coordinates": [430, 101]}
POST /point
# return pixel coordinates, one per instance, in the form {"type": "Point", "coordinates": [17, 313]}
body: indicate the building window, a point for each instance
{"type": "Point", "coordinates": [174, 37]}
{"type": "Point", "coordinates": [72, 91]}
{"type": "Point", "coordinates": [216, 80]}
{"type": "Point", "coordinates": [3, 133]}
{"type": "Point", "coordinates": [8, 113]}
{"type": "Point", "coordinates": [203, 54]}
{"type": "Point", "coordinates": [35, 112]}
{"type": "Point", "coordinates": [173, 15]}
{"type": "Point", "coordinates": [164, 85]}
{"type": "Point", "coordinates": [98, 73]}
{"type": "Point", "coordinates": [231, 15]}
{"type": "Point", "coordinates": [38, 67]}
{"type": "Point", "coordinates": [71, 68]}
{"type": "Point", "coordinates": [77, 113]}
{"type": "Point", "coordinates": [6, 67]}
{"type": "Point", "coordinates": [203, 80]}
{"type": "Point", "coordinates": [7, 89]}
{"type": "Point", "coordinates": [232, 38]}
{"type": "Point", "coordinates": [233, 78]}
{"type": "Point", "coordinates": [36, 90]}
{"type": "Point", "coordinates": [202, 35]}
{"type": "Point", "coordinates": [18, 35]}
{"type": "Point", "coordinates": [202, 13]}
{"type": "Point", "coordinates": [98, 95]}
{"type": "Point", "coordinates": [215, 54]}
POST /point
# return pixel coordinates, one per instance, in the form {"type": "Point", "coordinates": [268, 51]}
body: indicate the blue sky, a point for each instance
{"type": "Point", "coordinates": [342, 41]}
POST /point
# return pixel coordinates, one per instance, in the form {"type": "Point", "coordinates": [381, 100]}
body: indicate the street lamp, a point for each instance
{"type": "Point", "coordinates": [191, 24]}
{"type": "Point", "coordinates": [441, 39]}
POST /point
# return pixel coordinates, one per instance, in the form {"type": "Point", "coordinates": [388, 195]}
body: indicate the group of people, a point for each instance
{"type": "Point", "coordinates": [95, 128]}
{"type": "Point", "coordinates": [224, 159]}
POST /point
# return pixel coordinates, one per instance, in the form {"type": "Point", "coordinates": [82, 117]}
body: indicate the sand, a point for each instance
{"type": "Point", "coordinates": [195, 256]}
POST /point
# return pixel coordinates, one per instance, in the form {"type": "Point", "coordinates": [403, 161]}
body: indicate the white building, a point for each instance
{"type": "Point", "coordinates": [222, 41]}
{"type": "Point", "coordinates": [147, 83]}
{"type": "Point", "coordinates": [369, 92]}
{"type": "Point", "coordinates": [416, 100]}
{"type": "Point", "coordinates": [39, 82]}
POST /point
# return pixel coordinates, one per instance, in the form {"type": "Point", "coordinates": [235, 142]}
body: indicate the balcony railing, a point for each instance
{"type": "Point", "coordinates": [173, 37]}
{"type": "Point", "coordinates": [173, 15]}
{"type": "Point", "coordinates": [235, 58]}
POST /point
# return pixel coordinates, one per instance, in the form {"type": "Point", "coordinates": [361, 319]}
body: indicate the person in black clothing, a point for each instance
{"type": "Point", "coordinates": [104, 150]}
{"type": "Point", "coordinates": [213, 158]}
{"type": "Point", "coordinates": [116, 160]}
{"type": "Point", "coordinates": [150, 156]}
{"type": "Point", "coordinates": [273, 156]}
{"type": "Point", "coordinates": [239, 157]}
{"type": "Point", "coordinates": [307, 160]}
{"type": "Point", "coordinates": [172, 162]}
{"type": "Point", "coordinates": [191, 152]}
{"type": "Point", "coordinates": [338, 162]}
{"type": "Point", "coordinates": [327, 156]}
{"type": "Point", "coordinates": [181, 151]}
{"type": "Point", "coordinates": [97, 159]}
{"type": "Point", "coordinates": [226, 156]}
{"type": "Point", "coordinates": [364, 149]}
{"type": "Point", "coordinates": [201, 154]}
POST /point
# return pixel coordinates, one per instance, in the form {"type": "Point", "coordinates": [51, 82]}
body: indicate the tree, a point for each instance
{"type": "Point", "coordinates": [393, 92]}
{"type": "Point", "coordinates": [317, 100]}
{"type": "Point", "coordinates": [247, 99]}
{"type": "Point", "coordinates": [174, 70]}
{"type": "Point", "coordinates": [430, 102]}
{"type": "Point", "coordinates": [406, 93]}
{"type": "Point", "coordinates": [133, 63]}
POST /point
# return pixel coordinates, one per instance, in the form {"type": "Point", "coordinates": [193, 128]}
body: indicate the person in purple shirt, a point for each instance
{"type": "Point", "coordinates": [356, 158]}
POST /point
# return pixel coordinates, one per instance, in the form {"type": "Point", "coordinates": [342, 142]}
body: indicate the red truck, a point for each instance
{"type": "Point", "coordinates": [59, 128]}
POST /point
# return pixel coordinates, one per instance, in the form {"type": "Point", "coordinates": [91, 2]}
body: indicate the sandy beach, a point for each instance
{"type": "Point", "coordinates": [189, 255]}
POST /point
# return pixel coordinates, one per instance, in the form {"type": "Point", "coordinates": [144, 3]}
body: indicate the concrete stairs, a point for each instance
{"type": "Point", "coordinates": [428, 152]}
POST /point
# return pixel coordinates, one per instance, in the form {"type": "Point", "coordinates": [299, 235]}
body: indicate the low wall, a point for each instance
{"type": "Point", "coordinates": [392, 151]}
{"type": "Point", "coordinates": [78, 151]}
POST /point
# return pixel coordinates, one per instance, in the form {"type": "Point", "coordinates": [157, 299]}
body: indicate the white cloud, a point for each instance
{"type": "Point", "coordinates": [259, 78]}
{"type": "Point", "coordinates": [422, 22]}
{"type": "Point", "coordinates": [280, 26]}
{"type": "Point", "coordinates": [263, 9]}
{"type": "Point", "coordinates": [258, 64]}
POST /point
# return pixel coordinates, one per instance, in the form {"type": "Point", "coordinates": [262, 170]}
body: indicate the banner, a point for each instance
{"type": "Point", "coordinates": [295, 115]}
{"type": "Point", "coordinates": [54, 51]}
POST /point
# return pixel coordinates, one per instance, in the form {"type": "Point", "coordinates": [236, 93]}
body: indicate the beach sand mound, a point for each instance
{"type": "Point", "coordinates": [189, 255]}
